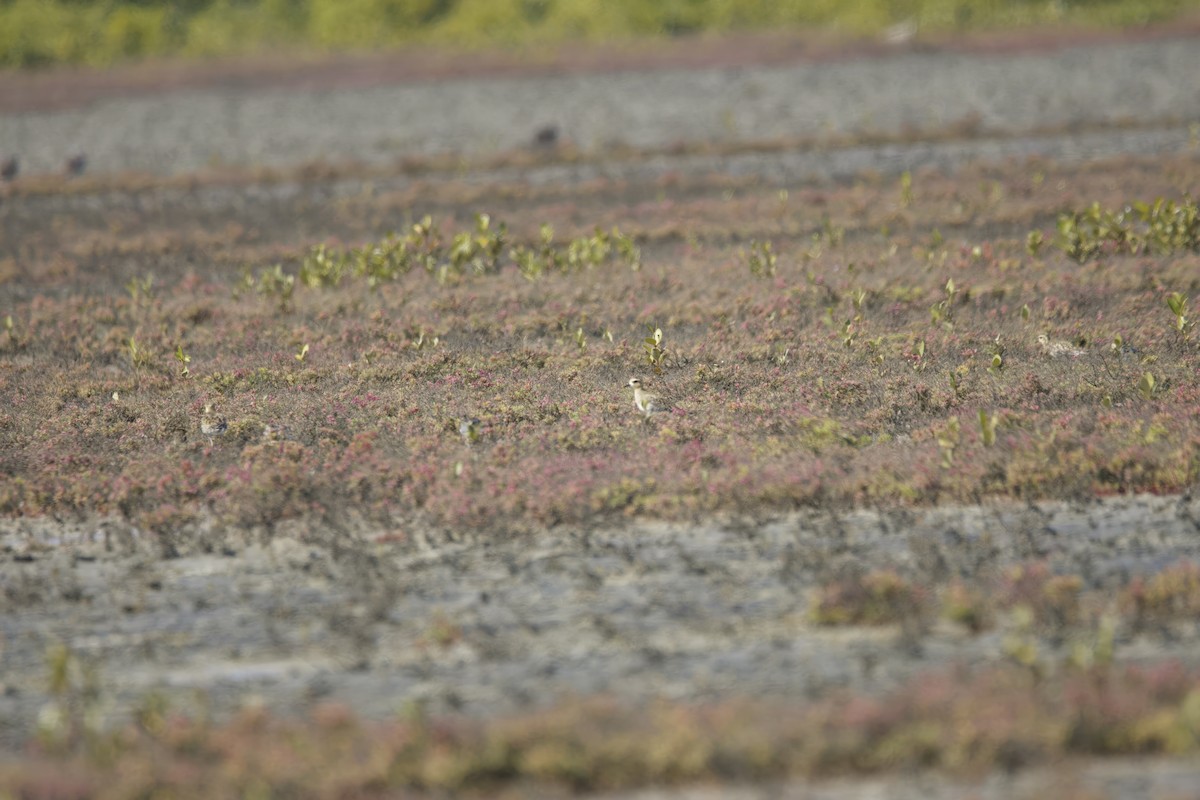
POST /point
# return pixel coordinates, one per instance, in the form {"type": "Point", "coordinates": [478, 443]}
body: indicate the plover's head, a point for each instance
{"type": "Point", "coordinates": [208, 408]}
{"type": "Point", "coordinates": [1043, 339]}
{"type": "Point", "coordinates": [636, 383]}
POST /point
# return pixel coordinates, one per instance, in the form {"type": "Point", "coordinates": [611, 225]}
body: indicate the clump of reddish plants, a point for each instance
{"type": "Point", "coordinates": [843, 366]}
{"type": "Point", "coordinates": [957, 720]}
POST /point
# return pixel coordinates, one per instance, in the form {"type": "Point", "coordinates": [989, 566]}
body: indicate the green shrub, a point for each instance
{"type": "Point", "coordinates": [1163, 227]}
{"type": "Point", "coordinates": [42, 32]}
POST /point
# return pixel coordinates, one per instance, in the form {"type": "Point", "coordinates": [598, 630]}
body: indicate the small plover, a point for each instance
{"type": "Point", "coordinates": [646, 402]}
{"type": "Point", "coordinates": [211, 423]}
{"type": "Point", "coordinates": [75, 166]}
{"type": "Point", "coordinates": [468, 429]}
{"type": "Point", "coordinates": [546, 136]}
{"type": "Point", "coordinates": [9, 168]}
{"type": "Point", "coordinates": [274, 432]}
{"type": "Point", "coordinates": [1057, 348]}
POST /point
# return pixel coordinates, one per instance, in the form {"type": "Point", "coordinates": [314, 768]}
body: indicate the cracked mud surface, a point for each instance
{"type": "Point", "coordinates": [483, 627]}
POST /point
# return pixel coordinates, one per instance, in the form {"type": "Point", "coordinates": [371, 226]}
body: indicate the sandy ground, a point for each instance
{"type": "Point", "coordinates": [481, 625]}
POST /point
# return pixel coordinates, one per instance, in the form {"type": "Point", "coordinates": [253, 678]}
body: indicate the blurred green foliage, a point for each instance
{"type": "Point", "coordinates": [41, 32]}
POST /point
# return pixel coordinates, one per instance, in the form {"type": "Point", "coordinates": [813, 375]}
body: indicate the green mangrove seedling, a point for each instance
{"type": "Point", "coordinates": [655, 352]}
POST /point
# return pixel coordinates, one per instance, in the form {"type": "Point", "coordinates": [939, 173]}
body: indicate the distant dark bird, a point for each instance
{"type": "Point", "coordinates": [546, 136]}
{"type": "Point", "coordinates": [76, 165]}
{"type": "Point", "coordinates": [9, 168]}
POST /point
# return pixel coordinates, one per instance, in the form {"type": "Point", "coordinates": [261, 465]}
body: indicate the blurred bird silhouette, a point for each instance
{"type": "Point", "coordinates": [9, 168]}
{"type": "Point", "coordinates": [76, 165]}
{"type": "Point", "coordinates": [546, 136]}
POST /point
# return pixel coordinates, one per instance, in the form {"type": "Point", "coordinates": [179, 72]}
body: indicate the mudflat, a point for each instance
{"type": "Point", "coordinates": [835, 251]}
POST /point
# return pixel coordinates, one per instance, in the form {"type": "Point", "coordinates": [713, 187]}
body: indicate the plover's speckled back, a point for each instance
{"type": "Point", "coordinates": [275, 432]}
{"type": "Point", "coordinates": [647, 402]}
{"type": "Point", "coordinates": [212, 424]}
{"type": "Point", "coordinates": [468, 429]}
{"type": "Point", "coordinates": [1057, 348]}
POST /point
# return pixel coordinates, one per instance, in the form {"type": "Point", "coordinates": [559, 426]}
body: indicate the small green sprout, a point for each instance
{"type": "Point", "coordinates": [1147, 385]}
{"type": "Point", "coordinates": [956, 382]}
{"type": "Point", "coordinates": [1034, 242]}
{"type": "Point", "coordinates": [320, 268]}
{"type": "Point", "coordinates": [302, 354]}
{"type": "Point", "coordinates": [942, 312]}
{"type": "Point", "coordinates": [141, 290]}
{"type": "Point", "coordinates": [138, 356]}
{"type": "Point", "coordinates": [184, 359]}
{"type": "Point", "coordinates": [762, 259]}
{"type": "Point", "coordinates": [628, 250]}
{"type": "Point", "coordinates": [906, 189]}
{"type": "Point", "coordinates": [1020, 644]}
{"type": "Point", "coordinates": [274, 282]}
{"type": "Point", "coordinates": [997, 360]}
{"type": "Point", "coordinates": [244, 283]}
{"type": "Point", "coordinates": [832, 234]}
{"type": "Point", "coordinates": [1025, 313]}
{"type": "Point", "coordinates": [1097, 648]}
{"type": "Point", "coordinates": [479, 251]}
{"type": "Point", "coordinates": [947, 440]}
{"type": "Point", "coordinates": [987, 427]}
{"type": "Point", "coordinates": [1178, 304]}
{"type": "Point", "coordinates": [655, 352]}
{"type": "Point", "coordinates": [858, 297]}
{"type": "Point", "coordinates": [422, 341]}
{"type": "Point", "coordinates": [918, 359]}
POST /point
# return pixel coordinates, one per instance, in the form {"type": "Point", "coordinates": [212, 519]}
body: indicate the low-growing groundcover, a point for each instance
{"type": "Point", "coordinates": [1001, 717]}
{"type": "Point", "coordinates": [833, 346]}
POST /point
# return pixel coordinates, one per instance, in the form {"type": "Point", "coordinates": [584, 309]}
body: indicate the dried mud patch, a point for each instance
{"type": "Point", "coordinates": [696, 613]}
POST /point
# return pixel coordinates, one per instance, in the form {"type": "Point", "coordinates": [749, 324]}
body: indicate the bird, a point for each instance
{"type": "Point", "coordinates": [211, 423]}
{"type": "Point", "coordinates": [9, 168]}
{"type": "Point", "coordinates": [546, 136]}
{"type": "Point", "coordinates": [646, 402]}
{"type": "Point", "coordinates": [1057, 348]}
{"type": "Point", "coordinates": [468, 429]}
{"type": "Point", "coordinates": [75, 166]}
{"type": "Point", "coordinates": [274, 432]}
